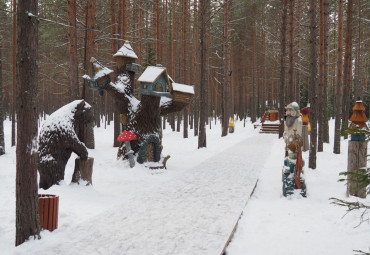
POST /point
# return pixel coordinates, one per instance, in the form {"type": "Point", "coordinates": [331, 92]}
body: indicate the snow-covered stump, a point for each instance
{"type": "Point", "coordinates": [83, 170]}
{"type": "Point", "coordinates": [357, 151]}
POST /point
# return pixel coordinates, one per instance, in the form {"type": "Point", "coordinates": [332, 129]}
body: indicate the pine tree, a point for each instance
{"type": "Point", "coordinates": [27, 214]}
{"type": "Point", "coordinates": [313, 85]}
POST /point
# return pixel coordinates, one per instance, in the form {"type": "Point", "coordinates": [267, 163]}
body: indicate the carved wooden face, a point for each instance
{"type": "Point", "coordinates": [291, 110]}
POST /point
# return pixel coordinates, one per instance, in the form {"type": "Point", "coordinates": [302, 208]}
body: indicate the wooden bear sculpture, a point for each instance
{"type": "Point", "coordinates": [58, 139]}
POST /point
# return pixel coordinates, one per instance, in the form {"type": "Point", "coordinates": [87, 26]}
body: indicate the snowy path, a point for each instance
{"type": "Point", "coordinates": [194, 214]}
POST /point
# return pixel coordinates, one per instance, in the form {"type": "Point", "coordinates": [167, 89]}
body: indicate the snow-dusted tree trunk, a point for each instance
{"type": "Point", "coordinates": [27, 214]}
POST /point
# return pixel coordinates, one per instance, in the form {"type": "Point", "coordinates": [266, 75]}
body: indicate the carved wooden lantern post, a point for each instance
{"type": "Point", "coordinates": [357, 149]}
{"type": "Point", "coordinates": [305, 120]}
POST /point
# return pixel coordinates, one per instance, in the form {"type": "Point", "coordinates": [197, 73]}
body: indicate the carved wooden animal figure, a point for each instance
{"type": "Point", "coordinates": [58, 139]}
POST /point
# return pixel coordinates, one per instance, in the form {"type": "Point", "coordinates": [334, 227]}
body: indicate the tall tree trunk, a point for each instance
{"type": "Point", "coordinates": [320, 104]}
{"type": "Point", "coordinates": [88, 132]}
{"type": "Point", "coordinates": [195, 79]}
{"type": "Point", "coordinates": [156, 35]}
{"type": "Point", "coordinates": [298, 50]}
{"type": "Point", "coordinates": [263, 61]}
{"type": "Point", "coordinates": [339, 97]}
{"type": "Point", "coordinates": [358, 87]}
{"type": "Point", "coordinates": [347, 73]}
{"type": "Point", "coordinates": [123, 20]}
{"type": "Point", "coordinates": [173, 39]}
{"type": "Point", "coordinates": [27, 211]}
{"type": "Point", "coordinates": [2, 143]}
{"type": "Point", "coordinates": [326, 73]}
{"type": "Point", "coordinates": [313, 85]}
{"type": "Point", "coordinates": [227, 68]}
{"type": "Point", "coordinates": [184, 58]}
{"type": "Point", "coordinates": [114, 30]}
{"type": "Point", "coordinates": [282, 64]}
{"type": "Point", "coordinates": [72, 38]}
{"type": "Point", "coordinates": [204, 14]}
{"type": "Point", "coordinates": [290, 88]}
{"type": "Point", "coordinates": [254, 65]}
{"type": "Point", "coordinates": [14, 70]}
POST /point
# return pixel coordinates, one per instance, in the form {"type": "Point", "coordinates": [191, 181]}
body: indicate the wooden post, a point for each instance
{"type": "Point", "coordinates": [83, 170]}
{"type": "Point", "coordinates": [306, 144]}
{"type": "Point", "coordinates": [357, 152]}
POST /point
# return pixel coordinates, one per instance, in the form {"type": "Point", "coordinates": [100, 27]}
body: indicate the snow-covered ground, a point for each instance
{"type": "Point", "coordinates": [201, 194]}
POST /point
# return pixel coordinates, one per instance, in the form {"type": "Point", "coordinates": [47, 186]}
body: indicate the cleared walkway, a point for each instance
{"type": "Point", "coordinates": [194, 214]}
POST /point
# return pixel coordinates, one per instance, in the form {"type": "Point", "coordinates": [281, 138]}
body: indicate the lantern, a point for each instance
{"type": "Point", "coordinates": [97, 77]}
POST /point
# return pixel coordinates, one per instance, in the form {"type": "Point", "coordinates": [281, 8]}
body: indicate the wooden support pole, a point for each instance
{"type": "Point", "coordinates": [357, 152]}
{"type": "Point", "coordinates": [83, 170]}
{"type": "Point", "coordinates": [306, 143]}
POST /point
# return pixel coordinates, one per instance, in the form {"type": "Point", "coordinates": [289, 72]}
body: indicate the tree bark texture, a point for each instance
{"type": "Point", "coordinates": [203, 12]}
{"type": "Point", "coordinates": [298, 51]}
{"type": "Point", "coordinates": [14, 70]}
{"type": "Point", "coordinates": [72, 38]}
{"type": "Point", "coordinates": [347, 72]}
{"type": "Point", "coordinates": [290, 89]}
{"type": "Point", "coordinates": [254, 65]}
{"type": "Point", "coordinates": [357, 152]}
{"type": "Point", "coordinates": [27, 214]}
{"type": "Point", "coordinates": [88, 133]}
{"type": "Point", "coordinates": [282, 64]}
{"type": "Point", "coordinates": [184, 60]}
{"type": "Point", "coordinates": [313, 85]}
{"type": "Point", "coordinates": [2, 143]}
{"type": "Point", "coordinates": [326, 73]}
{"type": "Point", "coordinates": [156, 30]}
{"type": "Point", "coordinates": [339, 97]}
{"type": "Point", "coordinates": [227, 68]}
{"type": "Point", "coordinates": [320, 120]}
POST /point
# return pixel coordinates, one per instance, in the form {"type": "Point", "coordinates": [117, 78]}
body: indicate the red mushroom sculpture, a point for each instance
{"type": "Point", "coordinates": [126, 137]}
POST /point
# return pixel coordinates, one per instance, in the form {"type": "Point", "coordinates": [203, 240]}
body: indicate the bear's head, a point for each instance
{"type": "Point", "coordinates": [83, 113]}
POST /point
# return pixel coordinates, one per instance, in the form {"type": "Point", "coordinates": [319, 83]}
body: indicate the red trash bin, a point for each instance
{"type": "Point", "coordinates": [48, 210]}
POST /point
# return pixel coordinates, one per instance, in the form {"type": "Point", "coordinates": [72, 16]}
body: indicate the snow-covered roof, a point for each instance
{"type": "Point", "coordinates": [170, 78]}
{"type": "Point", "coordinates": [151, 74]}
{"type": "Point", "coordinates": [126, 51]}
{"type": "Point", "coordinates": [101, 71]}
{"type": "Point", "coordinates": [183, 88]}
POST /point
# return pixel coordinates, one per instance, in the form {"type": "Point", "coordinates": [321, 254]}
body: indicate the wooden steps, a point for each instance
{"type": "Point", "coordinates": [270, 125]}
{"type": "Point", "coordinates": [269, 128]}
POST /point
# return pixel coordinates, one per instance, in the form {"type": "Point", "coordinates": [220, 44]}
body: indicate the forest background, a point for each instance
{"type": "Point", "coordinates": [258, 54]}
{"type": "Point", "coordinates": [243, 58]}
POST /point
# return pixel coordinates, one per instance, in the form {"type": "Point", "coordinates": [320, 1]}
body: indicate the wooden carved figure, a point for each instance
{"type": "Point", "coordinates": [58, 139]}
{"type": "Point", "coordinates": [159, 95]}
{"type": "Point", "coordinates": [292, 175]}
